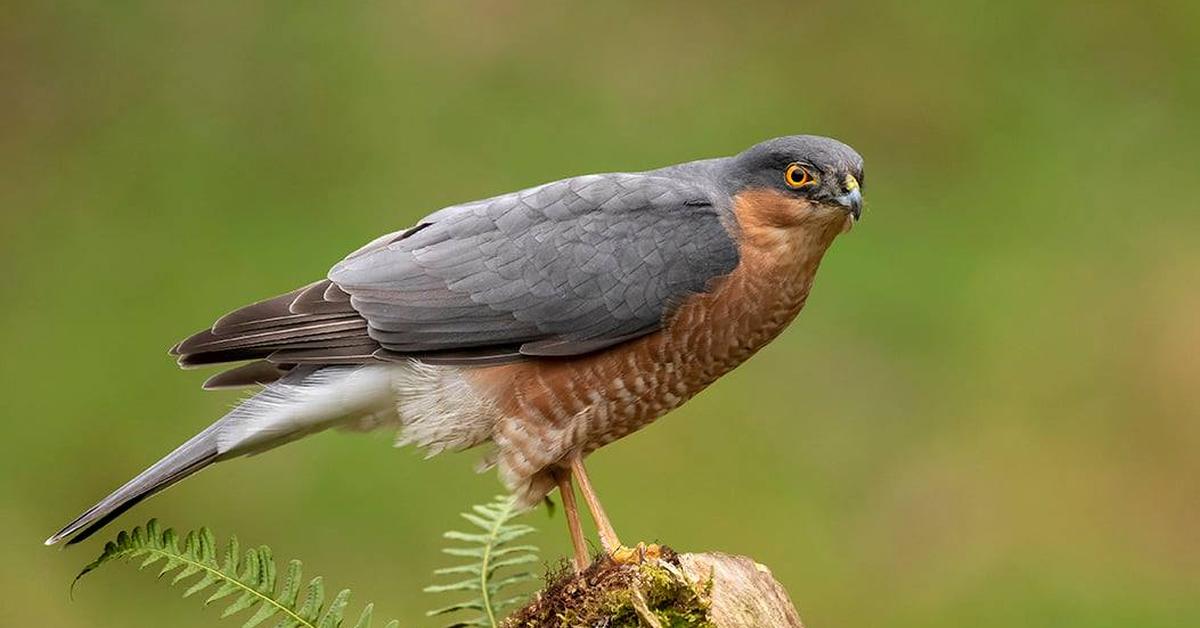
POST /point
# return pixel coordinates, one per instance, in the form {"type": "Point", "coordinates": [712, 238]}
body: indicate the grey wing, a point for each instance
{"type": "Point", "coordinates": [563, 269]}
{"type": "Point", "coordinates": [567, 268]}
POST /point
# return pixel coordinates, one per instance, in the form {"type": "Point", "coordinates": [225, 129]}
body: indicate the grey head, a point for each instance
{"type": "Point", "coordinates": [818, 169]}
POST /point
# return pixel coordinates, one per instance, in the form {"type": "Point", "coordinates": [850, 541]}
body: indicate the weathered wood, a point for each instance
{"type": "Point", "coordinates": [743, 593]}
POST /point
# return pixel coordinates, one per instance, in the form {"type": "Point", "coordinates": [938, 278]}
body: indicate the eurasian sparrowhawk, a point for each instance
{"type": "Point", "coordinates": [544, 323]}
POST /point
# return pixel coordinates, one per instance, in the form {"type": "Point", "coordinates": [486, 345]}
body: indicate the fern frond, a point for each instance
{"type": "Point", "coordinates": [249, 578]}
{"type": "Point", "coordinates": [490, 547]}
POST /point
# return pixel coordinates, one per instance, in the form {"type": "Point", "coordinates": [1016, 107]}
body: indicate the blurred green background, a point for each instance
{"type": "Point", "coordinates": [988, 414]}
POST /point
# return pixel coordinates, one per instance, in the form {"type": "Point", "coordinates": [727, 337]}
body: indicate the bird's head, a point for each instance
{"type": "Point", "coordinates": [815, 177]}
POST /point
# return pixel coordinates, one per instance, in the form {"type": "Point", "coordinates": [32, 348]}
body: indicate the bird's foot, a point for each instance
{"type": "Point", "coordinates": [637, 554]}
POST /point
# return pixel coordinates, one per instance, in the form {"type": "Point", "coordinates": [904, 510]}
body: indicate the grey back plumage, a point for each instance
{"type": "Point", "coordinates": [561, 269]}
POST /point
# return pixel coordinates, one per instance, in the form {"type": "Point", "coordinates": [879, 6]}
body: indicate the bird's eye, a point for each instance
{"type": "Point", "coordinates": [797, 176]}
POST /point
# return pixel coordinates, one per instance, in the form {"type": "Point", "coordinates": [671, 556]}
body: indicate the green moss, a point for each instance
{"type": "Point", "coordinates": [606, 594]}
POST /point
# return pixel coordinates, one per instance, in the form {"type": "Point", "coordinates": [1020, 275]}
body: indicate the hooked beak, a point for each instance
{"type": "Point", "coordinates": [852, 198]}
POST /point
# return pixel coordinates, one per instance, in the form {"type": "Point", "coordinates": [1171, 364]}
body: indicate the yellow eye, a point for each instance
{"type": "Point", "coordinates": [797, 176]}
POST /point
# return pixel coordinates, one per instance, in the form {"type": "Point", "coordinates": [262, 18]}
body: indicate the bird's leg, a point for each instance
{"type": "Point", "coordinates": [608, 536]}
{"type": "Point", "coordinates": [567, 491]}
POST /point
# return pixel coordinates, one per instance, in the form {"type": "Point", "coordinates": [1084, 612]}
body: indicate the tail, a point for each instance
{"type": "Point", "coordinates": [305, 401]}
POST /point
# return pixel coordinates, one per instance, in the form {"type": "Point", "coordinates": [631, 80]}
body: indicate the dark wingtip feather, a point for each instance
{"type": "Point", "coordinates": [195, 341]}
{"type": "Point", "coordinates": [260, 310]}
{"type": "Point", "coordinates": [312, 296]}
{"type": "Point", "coordinates": [253, 374]}
{"type": "Point", "coordinates": [208, 358]}
{"type": "Point", "coordinates": [322, 315]}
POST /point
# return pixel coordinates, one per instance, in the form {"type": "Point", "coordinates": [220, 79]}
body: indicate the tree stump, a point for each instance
{"type": "Point", "coordinates": [662, 590]}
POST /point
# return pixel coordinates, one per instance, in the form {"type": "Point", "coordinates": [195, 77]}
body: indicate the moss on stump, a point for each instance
{"type": "Point", "coordinates": [664, 590]}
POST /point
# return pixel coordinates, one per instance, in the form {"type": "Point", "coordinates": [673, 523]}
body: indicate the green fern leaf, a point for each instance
{"type": "Point", "coordinates": [250, 577]}
{"type": "Point", "coordinates": [489, 549]}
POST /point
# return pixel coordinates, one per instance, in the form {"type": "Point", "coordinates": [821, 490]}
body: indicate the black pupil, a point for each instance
{"type": "Point", "coordinates": [797, 175]}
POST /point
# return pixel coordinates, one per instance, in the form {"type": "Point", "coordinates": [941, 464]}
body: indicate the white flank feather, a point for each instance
{"type": "Point", "coordinates": [439, 408]}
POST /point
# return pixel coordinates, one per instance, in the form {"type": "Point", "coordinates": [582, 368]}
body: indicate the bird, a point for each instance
{"type": "Point", "coordinates": [539, 325]}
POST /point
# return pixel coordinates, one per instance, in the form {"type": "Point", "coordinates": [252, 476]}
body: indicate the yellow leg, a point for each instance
{"type": "Point", "coordinates": [563, 477]}
{"type": "Point", "coordinates": [608, 536]}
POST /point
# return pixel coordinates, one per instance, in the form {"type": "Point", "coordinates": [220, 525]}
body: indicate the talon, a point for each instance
{"type": "Point", "coordinates": [636, 555]}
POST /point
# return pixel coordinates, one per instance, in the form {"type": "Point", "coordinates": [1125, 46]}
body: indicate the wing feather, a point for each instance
{"type": "Point", "coordinates": [576, 265]}
{"type": "Point", "coordinates": [563, 269]}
